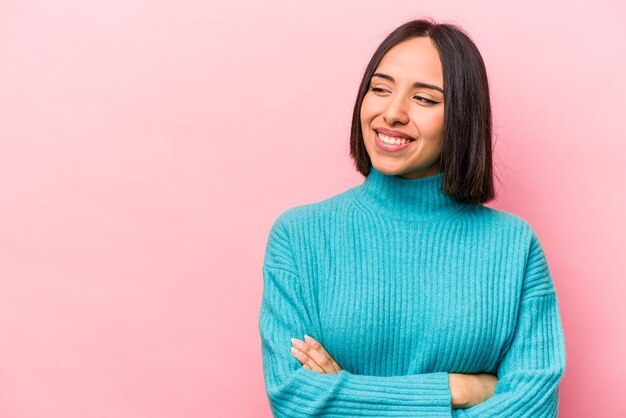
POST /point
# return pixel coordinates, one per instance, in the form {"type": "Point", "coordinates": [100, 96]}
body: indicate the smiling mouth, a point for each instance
{"type": "Point", "coordinates": [393, 140]}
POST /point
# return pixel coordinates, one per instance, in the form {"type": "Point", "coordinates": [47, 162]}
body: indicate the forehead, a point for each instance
{"type": "Point", "coordinates": [415, 59]}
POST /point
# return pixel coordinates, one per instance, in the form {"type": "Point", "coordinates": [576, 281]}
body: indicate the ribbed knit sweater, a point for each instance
{"type": "Point", "coordinates": [402, 285]}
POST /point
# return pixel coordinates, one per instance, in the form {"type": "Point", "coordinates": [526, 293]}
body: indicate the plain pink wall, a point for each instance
{"type": "Point", "coordinates": [147, 147]}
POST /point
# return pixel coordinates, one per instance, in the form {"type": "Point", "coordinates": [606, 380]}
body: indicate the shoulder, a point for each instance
{"type": "Point", "coordinates": [525, 235]}
{"type": "Point", "coordinates": [504, 221]}
{"type": "Point", "coordinates": [511, 227]}
{"type": "Point", "coordinates": [295, 223]}
{"type": "Point", "coordinates": [522, 237]}
{"type": "Point", "coordinates": [308, 213]}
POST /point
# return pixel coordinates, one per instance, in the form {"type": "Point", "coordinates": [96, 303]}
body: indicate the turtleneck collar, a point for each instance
{"type": "Point", "coordinates": [420, 199]}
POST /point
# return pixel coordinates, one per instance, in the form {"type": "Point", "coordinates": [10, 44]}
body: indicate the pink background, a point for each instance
{"type": "Point", "coordinates": [147, 147]}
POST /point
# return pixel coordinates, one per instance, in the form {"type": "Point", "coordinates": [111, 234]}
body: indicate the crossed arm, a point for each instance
{"type": "Point", "coordinates": [466, 390]}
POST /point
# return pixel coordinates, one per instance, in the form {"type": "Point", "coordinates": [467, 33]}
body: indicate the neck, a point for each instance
{"type": "Point", "coordinates": [420, 199]}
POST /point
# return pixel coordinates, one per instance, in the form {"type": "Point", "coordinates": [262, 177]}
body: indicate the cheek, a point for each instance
{"type": "Point", "coordinates": [437, 125]}
{"type": "Point", "coordinates": [370, 108]}
{"type": "Point", "coordinates": [365, 110]}
{"type": "Point", "coordinates": [430, 124]}
{"type": "Point", "coordinates": [439, 118]}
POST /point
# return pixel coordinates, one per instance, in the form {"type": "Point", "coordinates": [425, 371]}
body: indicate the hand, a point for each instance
{"type": "Point", "coordinates": [313, 356]}
{"type": "Point", "coordinates": [471, 389]}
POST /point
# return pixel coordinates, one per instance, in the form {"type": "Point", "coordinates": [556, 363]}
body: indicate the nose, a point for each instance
{"type": "Point", "coordinates": [396, 112]}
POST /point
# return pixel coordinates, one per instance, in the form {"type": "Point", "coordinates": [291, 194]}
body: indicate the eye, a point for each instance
{"type": "Point", "coordinates": [424, 100]}
{"type": "Point", "coordinates": [378, 90]}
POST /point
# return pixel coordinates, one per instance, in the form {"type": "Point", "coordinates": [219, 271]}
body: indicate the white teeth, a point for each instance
{"type": "Point", "coordinates": [391, 140]}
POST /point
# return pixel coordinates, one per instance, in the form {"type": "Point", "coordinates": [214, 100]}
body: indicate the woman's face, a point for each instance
{"type": "Point", "coordinates": [400, 104]}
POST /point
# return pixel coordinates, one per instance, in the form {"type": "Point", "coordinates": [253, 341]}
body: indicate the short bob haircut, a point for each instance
{"type": "Point", "coordinates": [466, 154]}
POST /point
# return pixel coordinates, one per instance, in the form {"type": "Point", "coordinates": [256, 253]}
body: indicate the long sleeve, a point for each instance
{"type": "Point", "coordinates": [530, 371]}
{"type": "Point", "coordinates": [294, 391]}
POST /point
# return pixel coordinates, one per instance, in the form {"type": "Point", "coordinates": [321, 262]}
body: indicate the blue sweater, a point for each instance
{"type": "Point", "coordinates": [403, 285]}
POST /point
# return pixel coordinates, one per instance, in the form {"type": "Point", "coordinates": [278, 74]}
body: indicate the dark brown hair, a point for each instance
{"type": "Point", "coordinates": [466, 154]}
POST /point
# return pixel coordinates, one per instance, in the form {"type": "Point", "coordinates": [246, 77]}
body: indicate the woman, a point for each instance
{"type": "Point", "coordinates": [416, 295]}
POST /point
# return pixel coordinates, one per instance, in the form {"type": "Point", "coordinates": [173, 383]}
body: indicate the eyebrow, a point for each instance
{"type": "Point", "coordinates": [415, 85]}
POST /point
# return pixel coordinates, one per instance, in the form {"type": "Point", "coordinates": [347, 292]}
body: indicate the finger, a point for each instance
{"type": "Point", "coordinates": [299, 355]}
{"type": "Point", "coordinates": [306, 353]}
{"type": "Point", "coordinates": [322, 360]}
{"type": "Point", "coordinates": [305, 359]}
{"type": "Point", "coordinates": [316, 345]}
